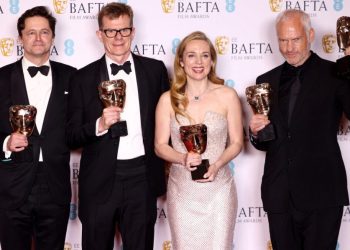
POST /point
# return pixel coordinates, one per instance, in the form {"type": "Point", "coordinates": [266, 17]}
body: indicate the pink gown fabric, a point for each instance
{"type": "Point", "coordinates": [202, 215]}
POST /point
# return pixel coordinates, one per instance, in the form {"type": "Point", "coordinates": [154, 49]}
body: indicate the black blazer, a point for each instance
{"type": "Point", "coordinates": [99, 153]}
{"type": "Point", "coordinates": [17, 175]}
{"type": "Point", "coordinates": [304, 162]}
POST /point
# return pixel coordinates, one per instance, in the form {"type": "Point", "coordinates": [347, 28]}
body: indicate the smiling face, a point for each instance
{"type": "Point", "coordinates": [196, 60]}
{"type": "Point", "coordinates": [36, 38]}
{"type": "Point", "coordinates": [293, 40]}
{"type": "Point", "coordinates": [117, 48]}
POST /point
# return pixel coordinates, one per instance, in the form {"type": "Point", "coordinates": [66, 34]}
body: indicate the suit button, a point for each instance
{"type": "Point", "coordinates": [289, 136]}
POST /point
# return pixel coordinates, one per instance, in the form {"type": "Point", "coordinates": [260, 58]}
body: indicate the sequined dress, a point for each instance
{"type": "Point", "coordinates": [202, 215]}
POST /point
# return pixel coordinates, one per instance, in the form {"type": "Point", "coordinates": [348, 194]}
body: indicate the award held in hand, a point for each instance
{"type": "Point", "coordinates": [195, 139]}
{"type": "Point", "coordinates": [113, 93]}
{"type": "Point", "coordinates": [259, 97]}
{"type": "Point", "coordinates": [343, 40]}
{"type": "Point", "coordinates": [22, 119]}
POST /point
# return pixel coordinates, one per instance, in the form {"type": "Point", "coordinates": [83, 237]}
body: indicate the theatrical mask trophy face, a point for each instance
{"type": "Point", "coordinates": [343, 32]}
{"type": "Point", "coordinates": [6, 46]}
{"type": "Point", "coordinates": [168, 5]}
{"type": "Point", "coordinates": [221, 44]}
{"type": "Point", "coordinates": [259, 97]}
{"type": "Point", "coordinates": [328, 43]}
{"type": "Point", "coordinates": [60, 6]}
{"type": "Point", "coordinates": [112, 93]}
{"type": "Point", "coordinates": [343, 39]}
{"type": "Point", "coordinates": [195, 139]}
{"type": "Point", "coordinates": [275, 5]}
{"type": "Point", "coordinates": [22, 118]}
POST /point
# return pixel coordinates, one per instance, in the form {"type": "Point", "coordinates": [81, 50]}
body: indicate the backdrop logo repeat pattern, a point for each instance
{"type": "Point", "coordinates": [6, 46]}
{"type": "Point", "coordinates": [14, 6]}
{"type": "Point", "coordinates": [329, 43]}
{"type": "Point", "coordinates": [338, 5]}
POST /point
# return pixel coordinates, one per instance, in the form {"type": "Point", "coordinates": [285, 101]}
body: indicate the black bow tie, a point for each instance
{"type": "Point", "coordinates": [34, 70]}
{"type": "Point", "coordinates": [126, 67]}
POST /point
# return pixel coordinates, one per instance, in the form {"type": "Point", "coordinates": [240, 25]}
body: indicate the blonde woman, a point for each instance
{"type": "Point", "coordinates": [201, 212]}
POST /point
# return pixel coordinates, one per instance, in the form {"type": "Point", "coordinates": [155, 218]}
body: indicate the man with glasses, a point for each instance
{"type": "Point", "coordinates": [120, 175]}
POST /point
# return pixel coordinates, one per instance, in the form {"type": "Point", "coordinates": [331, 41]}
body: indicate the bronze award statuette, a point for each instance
{"type": "Point", "coordinates": [22, 119]}
{"type": "Point", "coordinates": [112, 93]}
{"type": "Point", "coordinates": [343, 40]}
{"type": "Point", "coordinates": [259, 97]}
{"type": "Point", "coordinates": [195, 139]}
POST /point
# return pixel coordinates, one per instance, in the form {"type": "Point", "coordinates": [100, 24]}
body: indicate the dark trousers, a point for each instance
{"type": "Point", "coordinates": [131, 208]}
{"type": "Point", "coordinates": [38, 222]}
{"type": "Point", "coordinates": [305, 230]}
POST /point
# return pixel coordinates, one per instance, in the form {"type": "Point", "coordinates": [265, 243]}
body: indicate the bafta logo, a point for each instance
{"type": "Point", "coordinates": [67, 246]}
{"type": "Point", "coordinates": [60, 6]}
{"type": "Point", "coordinates": [168, 5]}
{"type": "Point", "coordinates": [275, 5]}
{"type": "Point", "coordinates": [167, 245]}
{"type": "Point", "coordinates": [221, 44]}
{"type": "Point", "coordinates": [328, 43]}
{"type": "Point", "coordinates": [6, 46]}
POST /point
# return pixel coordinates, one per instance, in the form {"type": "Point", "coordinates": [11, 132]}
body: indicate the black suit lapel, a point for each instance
{"type": "Point", "coordinates": [103, 71]}
{"type": "Point", "coordinates": [18, 87]}
{"type": "Point", "coordinates": [54, 96]}
{"type": "Point", "coordinates": [142, 83]}
{"type": "Point", "coordinates": [19, 95]}
{"type": "Point", "coordinates": [275, 110]}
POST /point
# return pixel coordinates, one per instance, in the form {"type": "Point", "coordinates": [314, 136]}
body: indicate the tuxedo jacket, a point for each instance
{"type": "Point", "coordinates": [303, 164]}
{"type": "Point", "coordinates": [17, 173]}
{"type": "Point", "coordinates": [99, 153]}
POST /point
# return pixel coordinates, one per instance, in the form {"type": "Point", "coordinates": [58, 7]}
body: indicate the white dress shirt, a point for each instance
{"type": "Point", "coordinates": [38, 90]}
{"type": "Point", "coordinates": [130, 146]}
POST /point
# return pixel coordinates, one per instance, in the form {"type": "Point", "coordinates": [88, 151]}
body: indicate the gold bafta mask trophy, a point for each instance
{"type": "Point", "coordinates": [22, 119]}
{"type": "Point", "coordinates": [168, 5]}
{"type": "Point", "coordinates": [113, 93]}
{"type": "Point", "coordinates": [259, 97]}
{"type": "Point", "coordinates": [343, 39]}
{"type": "Point", "coordinates": [6, 46]}
{"type": "Point", "coordinates": [195, 139]}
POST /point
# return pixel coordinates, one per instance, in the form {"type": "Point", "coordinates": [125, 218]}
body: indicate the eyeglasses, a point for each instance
{"type": "Point", "coordinates": [111, 33]}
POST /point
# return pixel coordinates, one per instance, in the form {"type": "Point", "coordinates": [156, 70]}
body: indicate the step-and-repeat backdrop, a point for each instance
{"type": "Point", "coordinates": [244, 35]}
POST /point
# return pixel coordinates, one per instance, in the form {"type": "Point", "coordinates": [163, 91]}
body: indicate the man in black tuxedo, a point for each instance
{"type": "Point", "coordinates": [304, 186]}
{"type": "Point", "coordinates": [35, 187]}
{"type": "Point", "coordinates": [120, 176]}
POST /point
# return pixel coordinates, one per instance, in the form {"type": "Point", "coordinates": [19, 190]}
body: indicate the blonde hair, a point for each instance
{"type": "Point", "coordinates": [179, 100]}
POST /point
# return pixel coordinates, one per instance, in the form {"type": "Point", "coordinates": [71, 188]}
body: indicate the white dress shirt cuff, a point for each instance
{"type": "Point", "coordinates": [4, 148]}
{"type": "Point", "coordinates": [101, 133]}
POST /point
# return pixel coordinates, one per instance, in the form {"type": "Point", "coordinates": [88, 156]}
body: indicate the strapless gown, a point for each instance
{"type": "Point", "coordinates": [202, 215]}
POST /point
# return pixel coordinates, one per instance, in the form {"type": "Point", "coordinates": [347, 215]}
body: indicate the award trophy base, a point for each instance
{"type": "Point", "coordinates": [201, 170]}
{"type": "Point", "coordinates": [267, 133]}
{"type": "Point", "coordinates": [118, 129]}
{"type": "Point", "coordinates": [343, 67]}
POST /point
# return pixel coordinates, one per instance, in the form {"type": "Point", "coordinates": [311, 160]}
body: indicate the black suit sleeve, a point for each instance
{"type": "Point", "coordinates": [80, 128]}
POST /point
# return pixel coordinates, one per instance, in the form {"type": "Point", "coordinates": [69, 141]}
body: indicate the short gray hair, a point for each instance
{"type": "Point", "coordinates": [304, 18]}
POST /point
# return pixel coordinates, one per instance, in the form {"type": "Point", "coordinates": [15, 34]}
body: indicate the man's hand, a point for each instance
{"type": "Point", "coordinates": [109, 116]}
{"type": "Point", "coordinates": [17, 142]}
{"type": "Point", "coordinates": [257, 123]}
